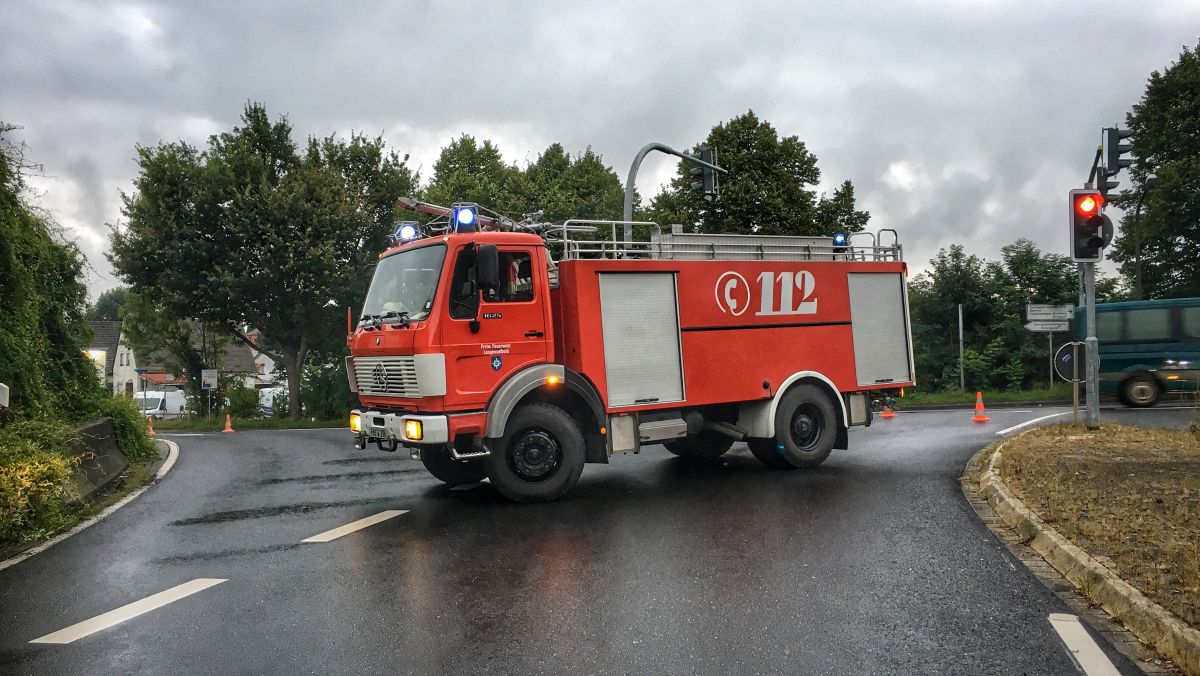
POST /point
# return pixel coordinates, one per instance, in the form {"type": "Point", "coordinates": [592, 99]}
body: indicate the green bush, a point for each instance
{"type": "Point", "coordinates": [243, 402]}
{"type": "Point", "coordinates": [33, 479]}
{"type": "Point", "coordinates": [326, 392]}
{"type": "Point", "coordinates": [129, 427]}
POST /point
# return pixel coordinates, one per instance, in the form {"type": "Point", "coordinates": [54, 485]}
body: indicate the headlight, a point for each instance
{"type": "Point", "coordinates": [413, 431]}
{"type": "Point", "coordinates": [356, 422]}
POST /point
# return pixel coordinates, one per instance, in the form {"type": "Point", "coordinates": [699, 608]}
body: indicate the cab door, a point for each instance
{"type": "Point", "coordinates": [491, 334]}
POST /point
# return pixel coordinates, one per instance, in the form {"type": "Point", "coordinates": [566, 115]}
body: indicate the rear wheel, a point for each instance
{"type": "Point", "coordinates": [805, 426]}
{"type": "Point", "coordinates": [540, 456]}
{"type": "Point", "coordinates": [453, 472]}
{"type": "Point", "coordinates": [1140, 391]}
{"type": "Point", "coordinates": [704, 446]}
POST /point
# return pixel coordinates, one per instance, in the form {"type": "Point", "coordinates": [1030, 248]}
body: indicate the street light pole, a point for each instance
{"type": "Point", "coordinates": [632, 180]}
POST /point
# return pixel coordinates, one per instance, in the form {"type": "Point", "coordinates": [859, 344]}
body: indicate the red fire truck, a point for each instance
{"type": "Point", "coordinates": [520, 351]}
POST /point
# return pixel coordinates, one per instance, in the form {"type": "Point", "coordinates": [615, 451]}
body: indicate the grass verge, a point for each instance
{"type": "Point", "coordinates": [218, 424]}
{"type": "Point", "coordinates": [916, 397]}
{"type": "Point", "coordinates": [1129, 496]}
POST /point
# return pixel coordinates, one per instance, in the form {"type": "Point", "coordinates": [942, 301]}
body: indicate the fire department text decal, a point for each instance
{"type": "Point", "coordinates": [780, 293]}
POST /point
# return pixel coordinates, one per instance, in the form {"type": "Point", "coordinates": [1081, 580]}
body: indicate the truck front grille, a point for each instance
{"type": "Point", "coordinates": [387, 376]}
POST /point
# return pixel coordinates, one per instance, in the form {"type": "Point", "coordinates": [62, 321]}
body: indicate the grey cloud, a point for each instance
{"type": "Point", "coordinates": [991, 103]}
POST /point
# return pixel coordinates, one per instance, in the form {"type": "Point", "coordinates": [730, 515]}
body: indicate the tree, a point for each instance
{"type": "Point", "coordinates": [259, 232]}
{"type": "Point", "coordinates": [42, 303]}
{"type": "Point", "coordinates": [108, 305]}
{"type": "Point", "coordinates": [769, 187]}
{"type": "Point", "coordinates": [468, 171]}
{"type": "Point", "coordinates": [1166, 133]}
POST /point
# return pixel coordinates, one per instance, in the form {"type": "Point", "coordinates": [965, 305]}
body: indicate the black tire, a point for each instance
{"type": "Point", "coordinates": [806, 425]}
{"type": "Point", "coordinates": [1140, 391]}
{"type": "Point", "coordinates": [768, 453]}
{"type": "Point", "coordinates": [450, 471]}
{"type": "Point", "coordinates": [704, 446]}
{"type": "Point", "coordinates": [540, 456]}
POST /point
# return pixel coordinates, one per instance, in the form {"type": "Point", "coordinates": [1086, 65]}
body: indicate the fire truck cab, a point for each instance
{"type": "Point", "coordinates": [520, 356]}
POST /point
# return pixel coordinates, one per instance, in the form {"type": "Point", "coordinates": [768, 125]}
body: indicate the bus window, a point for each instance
{"type": "Point", "coordinates": [1108, 326]}
{"type": "Point", "coordinates": [1148, 324]}
{"type": "Point", "coordinates": [1189, 317]}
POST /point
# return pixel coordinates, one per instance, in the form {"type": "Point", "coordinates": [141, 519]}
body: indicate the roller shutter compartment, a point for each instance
{"type": "Point", "coordinates": [880, 327]}
{"type": "Point", "coordinates": [640, 314]}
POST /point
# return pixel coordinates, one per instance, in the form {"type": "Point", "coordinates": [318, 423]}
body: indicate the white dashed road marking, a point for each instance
{"type": "Point", "coordinates": [355, 525]}
{"type": "Point", "coordinates": [1030, 422]}
{"type": "Point", "coordinates": [127, 612]}
{"type": "Point", "coordinates": [1080, 645]}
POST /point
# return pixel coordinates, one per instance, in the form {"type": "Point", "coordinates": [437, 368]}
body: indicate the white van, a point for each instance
{"type": "Point", "coordinates": [160, 405]}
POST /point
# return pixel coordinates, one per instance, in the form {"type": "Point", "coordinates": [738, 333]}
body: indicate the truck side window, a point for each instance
{"type": "Point", "coordinates": [516, 279]}
{"type": "Point", "coordinates": [464, 299]}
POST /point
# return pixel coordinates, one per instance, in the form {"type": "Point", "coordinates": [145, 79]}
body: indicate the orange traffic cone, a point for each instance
{"type": "Point", "coordinates": [150, 427]}
{"type": "Point", "coordinates": [887, 412]}
{"type": "Point", "coordinates": [980, 416]}
{"type": "Point", "coordinates": [228, 424]}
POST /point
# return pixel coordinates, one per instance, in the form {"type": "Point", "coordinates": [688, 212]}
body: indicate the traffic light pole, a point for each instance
{"type": "Point", "coordinates": [1091, 347]}
{"type": "Point", "coordinates": [632, 180]}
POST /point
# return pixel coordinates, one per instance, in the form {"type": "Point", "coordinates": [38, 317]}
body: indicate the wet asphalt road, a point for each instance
{"type": "Point", "coordinates": [872, 563]}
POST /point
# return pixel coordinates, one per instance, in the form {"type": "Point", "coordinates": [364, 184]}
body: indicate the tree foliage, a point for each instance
{"type": "Point", "coordinates": [1166, 133]}
{"type": "Point", "coordinates": [42, 305]}
{"type": "Point", "coordinates": [999, 352]}
{"type": "Point", "coordinates": [259, 231]}
{"type": "Point", "coordinates": [769, 188]}
{"type": "Point", "coordinates": [108, 305]}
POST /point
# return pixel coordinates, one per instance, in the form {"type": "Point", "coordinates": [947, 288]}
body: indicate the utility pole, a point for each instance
{"type": "Point", "coordinates": [962, 375]}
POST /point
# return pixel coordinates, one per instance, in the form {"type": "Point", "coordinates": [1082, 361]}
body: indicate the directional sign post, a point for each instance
{"type": "Point", "coordinates": [1049, 312]}
{"type": "Point", "coordinates": [1047, 326]}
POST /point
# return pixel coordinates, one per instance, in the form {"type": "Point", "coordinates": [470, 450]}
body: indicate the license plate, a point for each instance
{"type": "Point", "coordinates": [377, 432]}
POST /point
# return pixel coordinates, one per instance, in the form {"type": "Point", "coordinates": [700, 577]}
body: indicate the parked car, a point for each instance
{"type": "Point", "coordinates": [160, 404]}
{"type": "Point", "coordinates": [266, 399]}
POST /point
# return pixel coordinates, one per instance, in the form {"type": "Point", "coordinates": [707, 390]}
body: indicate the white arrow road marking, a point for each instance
{"type": "Point", "coordinates": [128, 612]}
{"type": "Point", "coordinates": [468, 487]}
{"type": "Point", "coordinates": [355, 525]}
{"type": "Point", "coordinates": [1080, 645]}
{"type": "Point", "coordinates": [1029, 422]}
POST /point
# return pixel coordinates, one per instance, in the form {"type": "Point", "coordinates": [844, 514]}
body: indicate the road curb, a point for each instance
{"type": "Point", "coordinates": [1147, 620]}
{"type": "Point", "coordinates": [172, 456]}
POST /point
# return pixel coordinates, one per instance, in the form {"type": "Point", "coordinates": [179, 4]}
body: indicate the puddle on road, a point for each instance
{"type": "Point", "coordinates": [355, 461]}
{"type": "Point", "coordinates": [314, 478]}
{"type": "Point", "coordinates": [263, 512]}
{"type": "Point", "coordinates": [212, 556]}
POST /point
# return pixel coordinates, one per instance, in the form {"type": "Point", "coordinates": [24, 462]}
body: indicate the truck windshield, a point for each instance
{"type": "Point", "coordinates": [405, 283]}
{"type": "Point", "coordinates": [149, 404]}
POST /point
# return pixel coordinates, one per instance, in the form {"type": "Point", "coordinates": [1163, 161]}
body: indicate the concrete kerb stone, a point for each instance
{"type": "Point", "coordinates": [1147, 620]}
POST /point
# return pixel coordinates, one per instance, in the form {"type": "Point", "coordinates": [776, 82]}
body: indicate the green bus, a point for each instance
{"type": "Point", "coordinates": [1148, 348]}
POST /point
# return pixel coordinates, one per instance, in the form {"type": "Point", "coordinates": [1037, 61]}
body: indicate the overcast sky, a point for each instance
{"type": "Point", "coordinates": [958, 121]}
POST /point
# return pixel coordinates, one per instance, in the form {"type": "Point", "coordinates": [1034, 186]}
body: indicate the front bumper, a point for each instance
{"type": "Point", "coordinates": [394, 427]}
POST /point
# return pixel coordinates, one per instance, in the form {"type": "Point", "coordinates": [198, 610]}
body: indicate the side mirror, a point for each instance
{"type": "Point", "coordinates": [487, 267]}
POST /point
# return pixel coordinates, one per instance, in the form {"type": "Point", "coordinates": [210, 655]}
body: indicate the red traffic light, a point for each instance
{"type": "Point", "coordinates": [1088, 204]}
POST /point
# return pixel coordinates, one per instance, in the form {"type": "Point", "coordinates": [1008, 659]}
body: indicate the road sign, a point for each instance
{"type": "Point", "coordinates": [1058, 313]}
{"type": "Point", "coordinates": [1068, 362]}
{"type": "Point", "coordinates": [1044, 325]}
{"type": "Point", "coordinates": [208, 379]}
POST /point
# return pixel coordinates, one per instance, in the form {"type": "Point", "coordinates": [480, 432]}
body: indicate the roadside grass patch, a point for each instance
{"type": "Point", "coordinates": [1129, 496]}
{"type": "Point", "coordinates": [915, 397]}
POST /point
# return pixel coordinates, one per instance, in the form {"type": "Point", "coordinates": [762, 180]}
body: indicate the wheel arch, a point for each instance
{"type": "Point", "coordinates": [759, 417]}
{"type": "Point", "coordinates": [574, 393]}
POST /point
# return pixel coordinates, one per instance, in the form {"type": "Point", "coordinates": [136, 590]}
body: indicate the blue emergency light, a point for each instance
{"type": "Point", "coordinates": [464, 217]}
{"type": "Point", "coordinates": [839, 239]}
{"type": "Point", "coordinates": [406, 232]}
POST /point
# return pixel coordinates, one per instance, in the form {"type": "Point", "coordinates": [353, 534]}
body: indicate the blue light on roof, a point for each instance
{"type": "Point", "coordinates": [406, 231]}
{"type": "Point", "coordinates": [465, 216]}
{"type": "Point", "coordinates": [839, 239]}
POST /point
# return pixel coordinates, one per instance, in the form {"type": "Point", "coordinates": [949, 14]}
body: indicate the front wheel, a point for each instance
{"type": "Point", "coordinates": [450, 471]}
{"type": "Point", "coordinates": [540, 456]}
